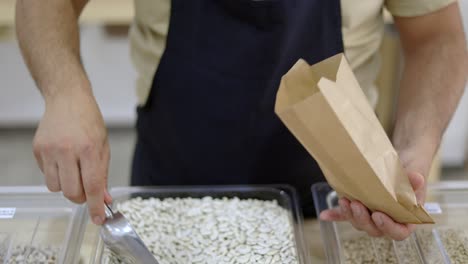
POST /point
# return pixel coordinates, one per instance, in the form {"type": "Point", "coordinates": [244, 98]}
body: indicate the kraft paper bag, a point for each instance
{"type": "Point", "coordinates": [326, 110]}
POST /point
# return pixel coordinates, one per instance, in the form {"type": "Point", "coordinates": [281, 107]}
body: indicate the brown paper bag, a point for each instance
{"type": "Point", "coordinates": [326, 110]}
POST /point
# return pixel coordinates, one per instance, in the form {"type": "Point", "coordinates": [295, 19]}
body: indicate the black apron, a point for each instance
{"type": "Point", "coordinates": [209, 117]}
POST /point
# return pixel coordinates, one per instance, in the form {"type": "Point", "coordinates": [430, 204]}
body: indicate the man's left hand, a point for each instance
{"type": "Point", "coordinates": [376, 224]}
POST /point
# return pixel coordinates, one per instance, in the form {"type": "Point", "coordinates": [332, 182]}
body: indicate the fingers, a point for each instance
{"type": "Point", "coordinates": [358, 215]}
{"type": "Point", "coordinates": [361, 219]}
{"type": "Point", "coordinates": [105, 163]}
{"type": "Point", "coordinates": [345, 208]}
{"type": "Point", "coordinates": [107, 196]}
{"type": "Point", "coordinates": [69, 175]}
{"type": "Point", "coordinates": [81, 177]}
{"type": "Point", "coordinates": [70, 146]}
{"type": "Point", "coordinates": [386, 225]}
{"type": "Point", "coordinates": [46, 162]}
{"type": "Point", "coordinates": [60, 168]}
{"type": "Point", "coordinates": [332, 215]}
{"type": "Point", "coordinates": [376, 224]}
{"type": "Point", "coordinates": [354, 212]}
{"type": "Point", "coordinates": [50, 170]}
{"type": "Point", "coordinates": [340, 213]}
{"type": "Point", "coordinates": [93, 183]}
{"type": "Point", "coordinates": [37, 155]}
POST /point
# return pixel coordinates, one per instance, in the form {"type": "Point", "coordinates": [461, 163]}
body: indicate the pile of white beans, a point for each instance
{"type": "Point", "coordinates": [208, 230]}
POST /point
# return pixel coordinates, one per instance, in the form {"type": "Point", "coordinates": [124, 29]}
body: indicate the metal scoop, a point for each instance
{"type": "Point", "coordinates": [120, 237]}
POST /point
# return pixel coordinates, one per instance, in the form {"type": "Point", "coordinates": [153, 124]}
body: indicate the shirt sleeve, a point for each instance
{"type": "Point", "coordinates": [409, 8]}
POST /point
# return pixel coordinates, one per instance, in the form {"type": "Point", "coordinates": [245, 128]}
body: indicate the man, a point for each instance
{"type": "Point", "coordinates": [208, 74]}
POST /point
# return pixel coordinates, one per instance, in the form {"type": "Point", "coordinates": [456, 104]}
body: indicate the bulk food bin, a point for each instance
{"type": "Point", "coordinates": [444, 242]}
{"type": "Point", "coordinates": [37, 226]}
{"type": "Point", "coordinates": [284, 195]}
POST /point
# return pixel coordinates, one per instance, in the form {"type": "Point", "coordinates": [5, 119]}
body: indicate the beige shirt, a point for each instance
{"type": "Point", "coordinates": [362, 28]}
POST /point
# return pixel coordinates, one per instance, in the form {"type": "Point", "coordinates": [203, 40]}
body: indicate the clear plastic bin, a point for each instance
{"type": "Point", "coordinates": [444, 242]}
{"type": "Point", "coordinates": [37, 226]}
{"type": "Point", "coordinates": [284, 195]}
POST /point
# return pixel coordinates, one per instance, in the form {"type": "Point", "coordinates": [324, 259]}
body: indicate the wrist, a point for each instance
{"type": "Point", "coordinates": [61, 93]}
{"type": "Point", "coordinates": [418, 154]}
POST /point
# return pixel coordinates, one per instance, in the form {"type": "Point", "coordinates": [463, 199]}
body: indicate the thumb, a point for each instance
{"type": "Point", "coordinates": [106, 163]}
{"type": "Point", "coordinates": [418, 182]}
{"type": "Point", "coordinates": [107, 196]}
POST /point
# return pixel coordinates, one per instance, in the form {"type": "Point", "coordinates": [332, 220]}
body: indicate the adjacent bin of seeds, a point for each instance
{"type": "Point", "coordinates": [217, 224]}
{"type": "Point", "coordinates": [444, 242]}
{"type": "Point", "coordinates": [39, 227]}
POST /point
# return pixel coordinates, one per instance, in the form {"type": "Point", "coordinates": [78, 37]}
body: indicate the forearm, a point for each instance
{"type": "Point", "coordinates": [433, 81]}
{"type": "Point", "coordinates": [48, 36]}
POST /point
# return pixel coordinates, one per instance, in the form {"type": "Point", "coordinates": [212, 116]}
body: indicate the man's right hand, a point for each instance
{"type": "Point", "coordinates": [72, 150]}
{"type": "Point", "coordinates": [70, 145]}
